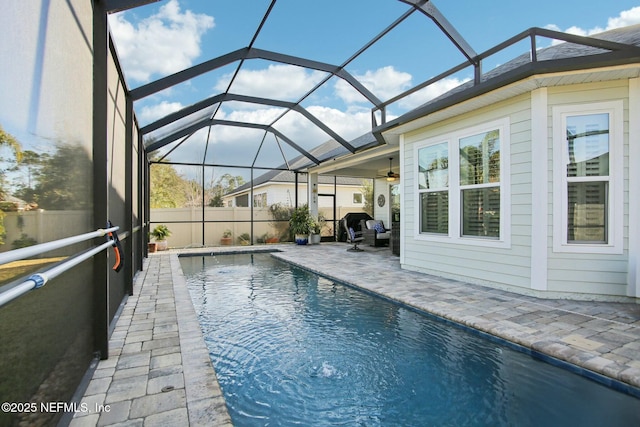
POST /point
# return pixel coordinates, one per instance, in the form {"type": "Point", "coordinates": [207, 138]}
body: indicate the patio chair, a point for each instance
{"type": "Point", "coordinates": [353, 236]}
{"type": "Point", "coordinates": [374, 233]}
{"type": "Point", "coordinates": [356, 238]}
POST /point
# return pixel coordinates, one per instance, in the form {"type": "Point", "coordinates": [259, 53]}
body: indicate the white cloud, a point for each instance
{"type": "Point", "coordinates": [349, 125]}
{"type": "Point", "coordinates": [279, 81]}
{"type": "Point", "coordinates": [162, 44]}
{"type": "Point", "coordinates": [152, 113]}
{"type": "Point", "coordinates": [625, 19]}
{"type": "Point", "coordinates": [384, 83]}
{"type": "Point", "coordinates": [255, 115]}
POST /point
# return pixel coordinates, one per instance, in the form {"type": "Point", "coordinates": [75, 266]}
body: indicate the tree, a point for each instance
{"type": "Point", "coordinates": [367, 194]}
{"type": "Point", "coordinates": [167, 187]}
{"type": "Point", "coordinates": [30, 163]}
{"type": "Point", "coordinates": [193, 193]}
{"type": "Point", "coordinates": [63, 180]}
{"type": "Point", "coordinates": [223, 185]}
{"type": "Point", "coordinates": [28, 170]}
{"type": "Point", "coordinates": [7, 140]}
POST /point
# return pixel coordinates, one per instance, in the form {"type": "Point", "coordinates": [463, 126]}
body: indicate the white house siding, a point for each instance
{"type": "Point", "coordinates": [603, 274]}
{"type": "Point", "coordinates": [567, 273]}
{"type": "Point", "coordinates": [499, 266]}
{"type": "Point", "coordinates": [382, 213]}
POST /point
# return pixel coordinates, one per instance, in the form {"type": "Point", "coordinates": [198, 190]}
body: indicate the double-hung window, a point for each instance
{"type": "Point", "coordinates": [433, 184]}
{"type": "Point", "coordinates": [588, 165]}
{"type": "Point", "coordinates": [461, 188]}
{"type": "Point", "coordinates": [480, 184]}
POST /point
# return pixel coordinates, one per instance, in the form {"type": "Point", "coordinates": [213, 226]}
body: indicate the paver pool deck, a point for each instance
{"type": "Point", "coordinates": [159, 373]}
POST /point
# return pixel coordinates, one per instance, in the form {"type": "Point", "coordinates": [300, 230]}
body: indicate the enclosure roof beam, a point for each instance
{"type": "Point", "coordinates": [249, 53]}
{"type": "Point", "coordinates": [170, 118]}
{"type": "Point", "coordinates": [155, 145]}
{"type": "Point", "coordinates": [429, 9]}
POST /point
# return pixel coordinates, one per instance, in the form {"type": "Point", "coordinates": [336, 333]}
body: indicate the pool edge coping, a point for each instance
{"type": "Point", "coordinates": [603, 378]}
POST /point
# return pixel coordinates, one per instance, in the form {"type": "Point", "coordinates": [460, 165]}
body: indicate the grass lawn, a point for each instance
{"type": "Point", "coordinates": [16, 269]}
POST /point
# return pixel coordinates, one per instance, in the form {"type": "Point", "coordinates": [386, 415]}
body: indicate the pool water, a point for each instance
{"type": "Point", "coordinates": [292, 348]}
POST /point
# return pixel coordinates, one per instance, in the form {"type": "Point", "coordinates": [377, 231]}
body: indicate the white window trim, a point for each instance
{"type": "Point", "coordinates": [455, 216]}
{"type": "Point", "coordinates": [616, 184]}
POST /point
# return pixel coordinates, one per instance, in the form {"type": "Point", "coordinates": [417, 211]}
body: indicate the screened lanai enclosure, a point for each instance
{"type": "Point", "coordinates": [109, 128]}
{"type": "Point", "coordinates": [270, 105]}
{"type": "Point", "coordinates": [96, 147]}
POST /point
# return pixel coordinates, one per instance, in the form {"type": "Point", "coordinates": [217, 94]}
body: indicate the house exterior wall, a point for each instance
{"type": "Point", "coordinates": [473, 260]}
{"type": "Point", "coordinates": [525, 259]}
{"type": "Point", "coordinates": [593, 273]}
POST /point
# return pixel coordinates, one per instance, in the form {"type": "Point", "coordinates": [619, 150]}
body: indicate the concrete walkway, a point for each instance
{"type": "Point", "coordinates": [159, 372]}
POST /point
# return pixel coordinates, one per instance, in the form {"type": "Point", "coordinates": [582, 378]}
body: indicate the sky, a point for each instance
{"type": "Point", "coordinates": [162, 38]}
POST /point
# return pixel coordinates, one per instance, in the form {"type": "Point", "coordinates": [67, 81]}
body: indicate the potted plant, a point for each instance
{"type": "Point", "coordinates": [300, 224]}
{"type": "Point", "coordinates": [160, 234]}
{"type": "Point", "coordinates": [316, 230]}
{"type": "Point", "coordinates": [268, 238]}
{"type": "Point", "coordinates": [271, 239]}
{"type": "Point", "coordinates": [244, 239]}
{"type": "Point", "coordinates": [226, 238]}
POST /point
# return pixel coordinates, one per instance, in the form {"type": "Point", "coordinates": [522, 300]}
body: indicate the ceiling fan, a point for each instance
{"type": "Point", "coordinates": [391, 175]}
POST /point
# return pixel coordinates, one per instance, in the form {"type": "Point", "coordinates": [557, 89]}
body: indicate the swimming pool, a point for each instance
{"type": "Point", "coordinates": [291, 348]}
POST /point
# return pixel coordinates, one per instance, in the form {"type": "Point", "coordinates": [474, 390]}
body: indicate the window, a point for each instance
{"type": "Point", "coordinates": [433, 183]}
{"type": "Point", "coordinates": [587, 203]}
{"type": "Point", "coordinates": [357, 198]}
{"type": "Point", "coordinates": [461, 188]}
{"type": "Point", "coordinates": [260, 200]}
{"type": "Point", "coordinates": [242, 201]}
{"type": "Point", "coordinates": [480, 184]}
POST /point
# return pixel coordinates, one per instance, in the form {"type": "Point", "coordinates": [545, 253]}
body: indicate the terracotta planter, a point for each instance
{"type": "Point", "coordinates": [226, 241]}
{"type": "Point", "coordinates": [272, 240]}
{"type": "Point", "coordinates": [152, 247]}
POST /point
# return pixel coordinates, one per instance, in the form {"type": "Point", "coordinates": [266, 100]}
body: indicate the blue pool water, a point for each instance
{"type": "Point", "coordinates": [292, 348]}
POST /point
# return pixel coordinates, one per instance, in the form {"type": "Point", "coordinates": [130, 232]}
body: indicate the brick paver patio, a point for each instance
{"type": "Point", "coordinates": [159, 371]}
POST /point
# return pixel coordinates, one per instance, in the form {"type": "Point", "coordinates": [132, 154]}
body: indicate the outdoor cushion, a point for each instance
{"type": "Point", "coordinates": [379, 227]}
{"type": "Point", "coordinates": [370, 223]}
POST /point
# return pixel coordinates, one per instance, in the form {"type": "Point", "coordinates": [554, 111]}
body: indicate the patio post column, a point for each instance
{"type": "Point", "coordinates": [312, 188]}
{"type": "Point", "coordinates": [633, 275]}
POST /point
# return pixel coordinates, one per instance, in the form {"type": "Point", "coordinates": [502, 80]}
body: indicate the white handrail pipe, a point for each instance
{"type": "Point", "coordinates": [38, 280]}
{"type": "Point", "coordinates": [18, 254]}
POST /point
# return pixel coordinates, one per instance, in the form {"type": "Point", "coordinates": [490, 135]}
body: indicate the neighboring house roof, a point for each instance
{"type": "Point", "coordinates": [327, 150]}
{"type": "Point", "coordinates": [563, 57]}
{"type": "Point", "coordinates": [289, 177]}
{"type": "Point", "coordinates": [18, 204]}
